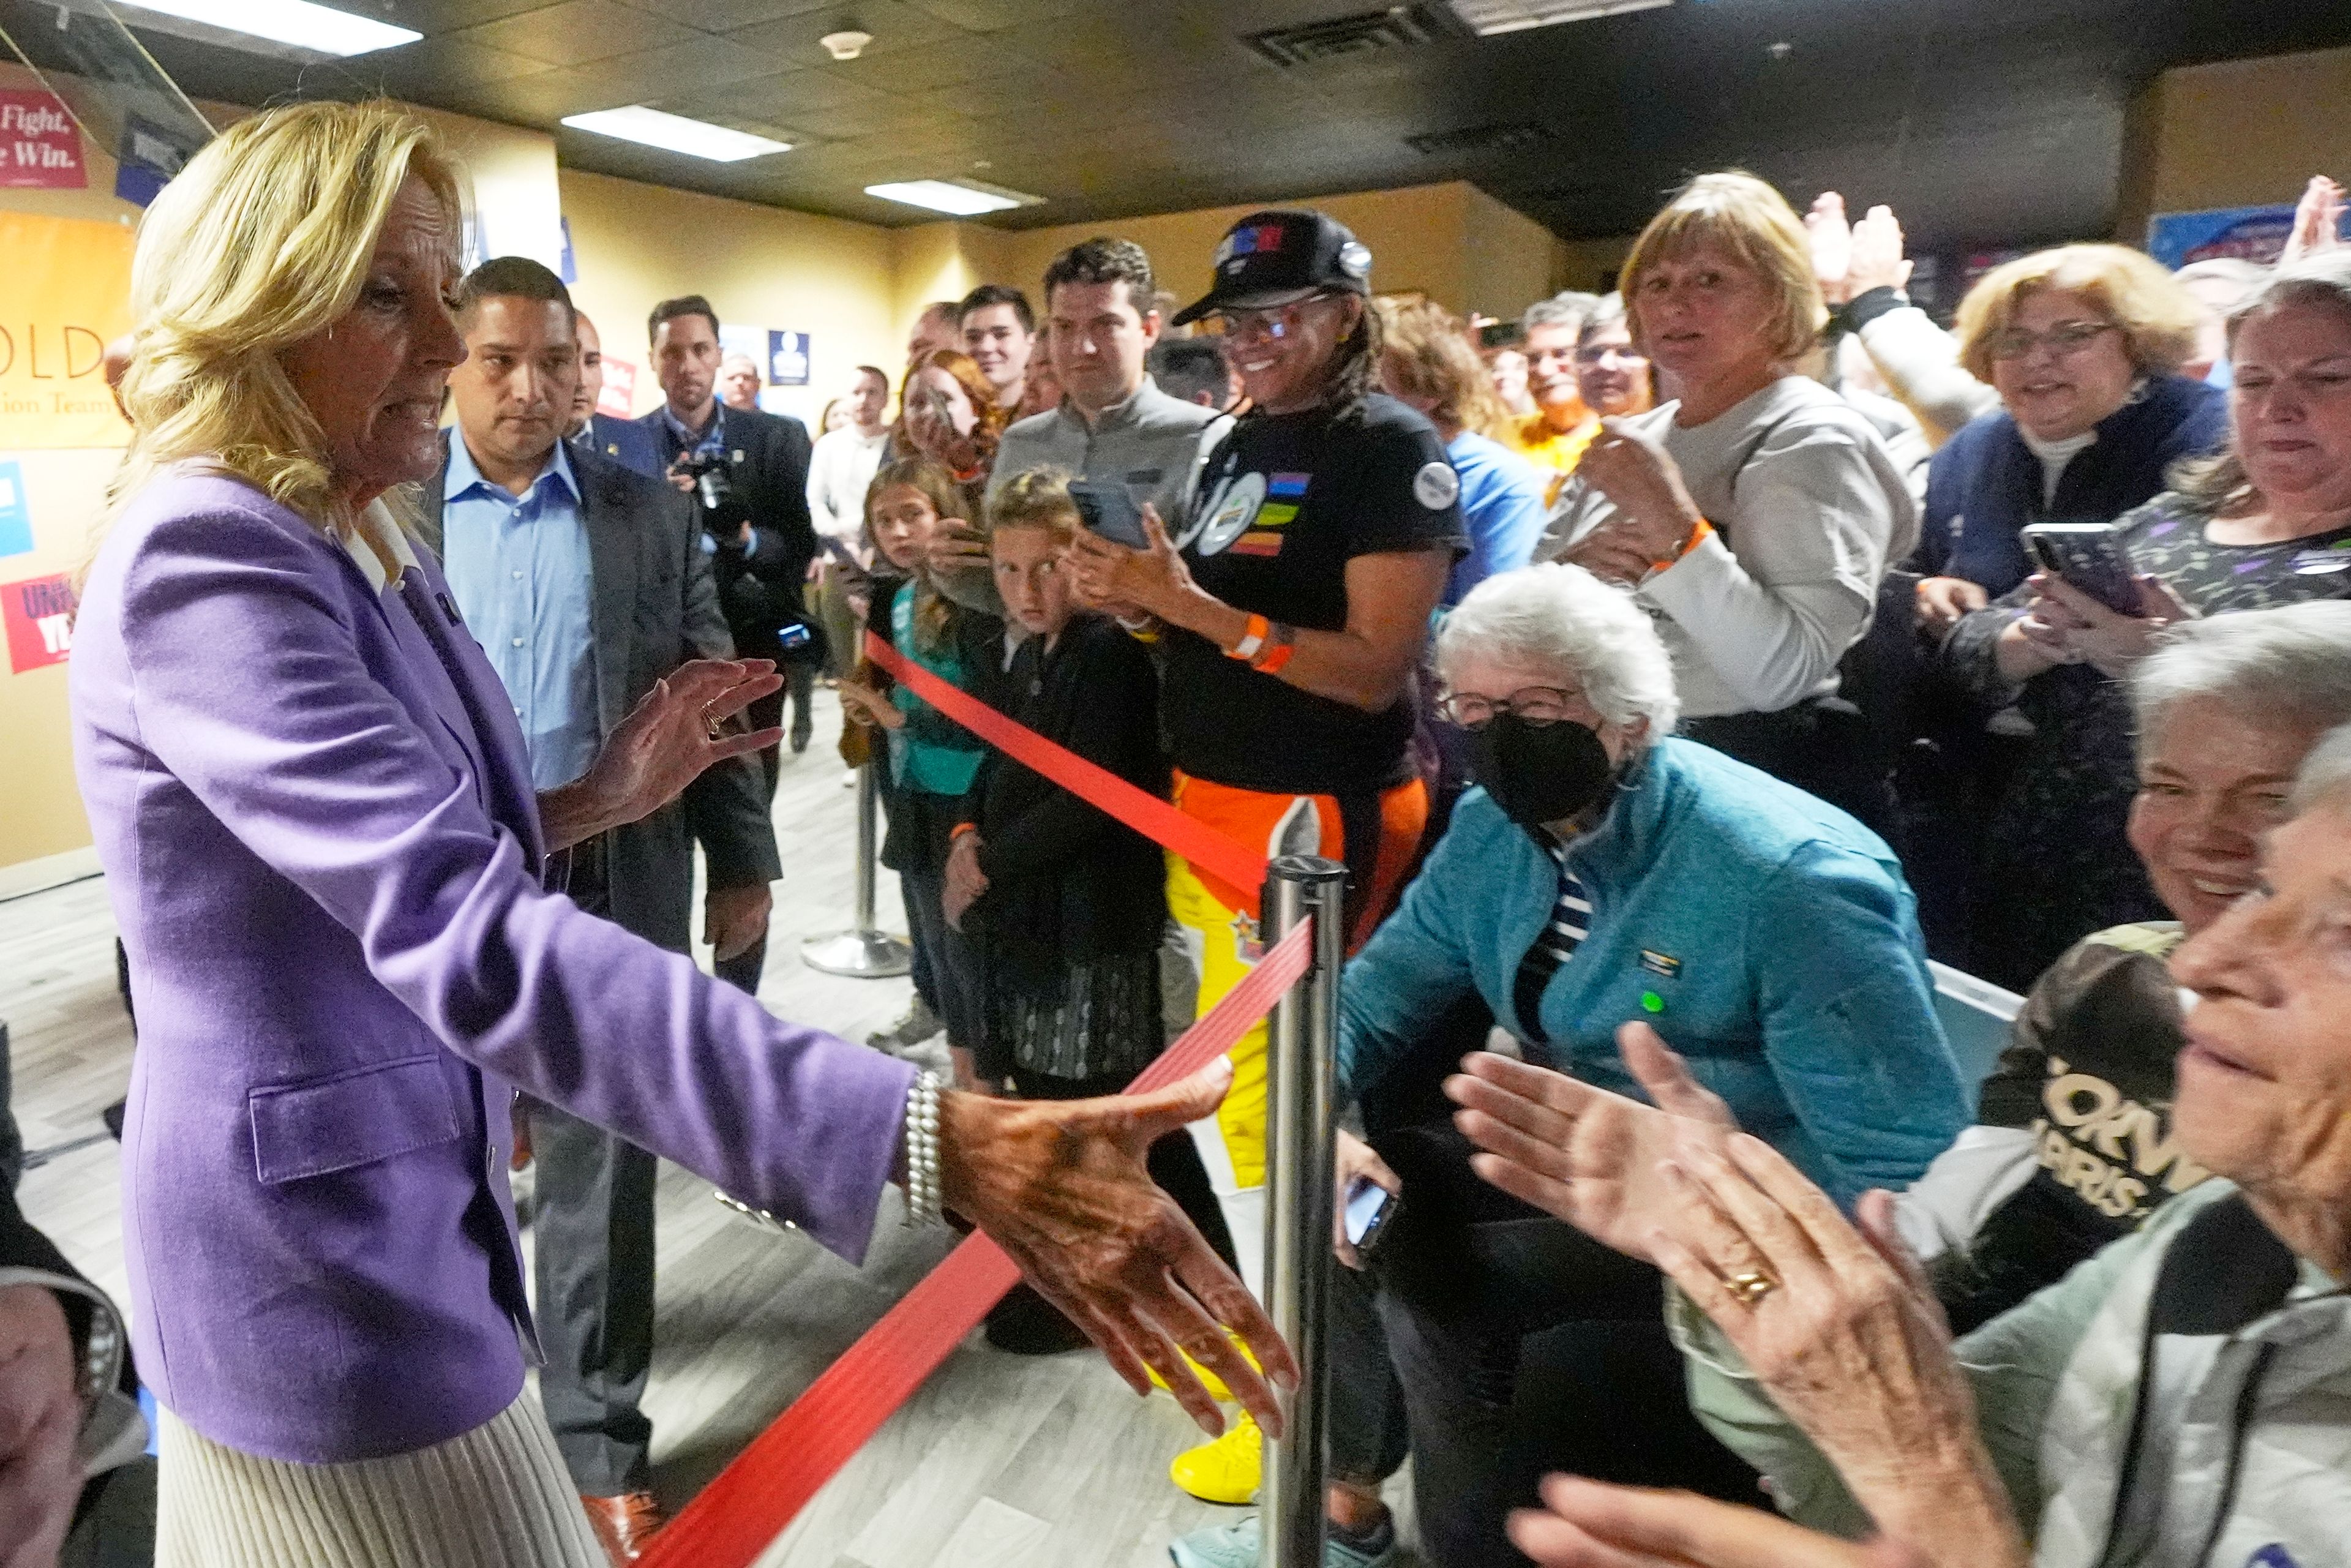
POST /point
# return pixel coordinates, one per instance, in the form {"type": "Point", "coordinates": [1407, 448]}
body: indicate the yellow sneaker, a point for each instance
{"type": "Point", "coordinates": [1225, 1470]}
{"type": "Point", "coordinates": [1208, 1379]}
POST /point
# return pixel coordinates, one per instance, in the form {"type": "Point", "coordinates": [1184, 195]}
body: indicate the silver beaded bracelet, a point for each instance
{"type": "Point", "coordinates": [923, 1198]}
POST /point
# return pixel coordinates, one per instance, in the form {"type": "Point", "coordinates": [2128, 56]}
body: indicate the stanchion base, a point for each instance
{"type": "Point", "coordinates": [864, 955]}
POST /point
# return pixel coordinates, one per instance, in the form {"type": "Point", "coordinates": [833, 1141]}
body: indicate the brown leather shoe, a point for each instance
{"type": "Point", "coordinates": [624, 1525]}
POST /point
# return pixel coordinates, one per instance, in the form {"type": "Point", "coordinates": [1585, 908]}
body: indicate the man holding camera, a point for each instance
{"type": "Point", "coordinates": [747, 472]}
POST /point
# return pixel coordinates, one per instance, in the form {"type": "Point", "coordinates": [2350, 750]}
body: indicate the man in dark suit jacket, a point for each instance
{"type": "Point", "coordinates": [762, 542]}
{"type": "Point", "coordinates": [622, 441]}
{"type": "Point", "coordinates": [587, 583]}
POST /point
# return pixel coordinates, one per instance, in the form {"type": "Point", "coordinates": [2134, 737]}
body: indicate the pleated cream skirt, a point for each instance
{"type": "Point", "coordinates": [496, 1497]}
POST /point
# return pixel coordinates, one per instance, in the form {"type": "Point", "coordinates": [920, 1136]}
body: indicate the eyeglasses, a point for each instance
{"type": "Point", "coordinates": [1600, 354]}
{"type": "Point", "coordinates": [2065, 340]}
{"type": "Point", "coordinates": [1536, 704]}
{"type": "Point", "coordinates": [1269, 321]}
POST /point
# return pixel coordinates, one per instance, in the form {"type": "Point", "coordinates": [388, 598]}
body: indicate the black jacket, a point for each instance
{"type": "Point", "coordinates": [1066, 881]}
{"type": "Point", "coordinates": [1985, 484]}
{"type": "Point", "coordinates": [652, 607]}
{"type": "Point", "coordinates": [759, 589]}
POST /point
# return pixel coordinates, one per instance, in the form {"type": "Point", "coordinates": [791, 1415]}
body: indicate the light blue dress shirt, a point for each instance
{"type": "Point", "coordinates": [519, 568]}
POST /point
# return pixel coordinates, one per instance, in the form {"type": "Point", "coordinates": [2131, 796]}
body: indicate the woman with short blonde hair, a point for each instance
{"type": "Point", "coordinates": [323, 848]}
{"type": "Point", "coordinates": [1755, 514]}
{"type": "Point", "coordinates": [2130, 290]}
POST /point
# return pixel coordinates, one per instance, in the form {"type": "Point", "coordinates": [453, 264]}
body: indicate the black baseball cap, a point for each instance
{"type": "Point", "coordinates": [1278, 258]}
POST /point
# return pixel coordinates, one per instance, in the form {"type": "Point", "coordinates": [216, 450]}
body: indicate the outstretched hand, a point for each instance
{"type": "Point", "coordinates": [2318, 222]}
{"type": "Point", "coordinates": [1061, 1185]}
{"type": "Point", "coordinates": [675, 734]}
{"type": "Point", "coordinates": [1591, 1524]}
{"type": "Point", "coordinates": [1584, 1155]}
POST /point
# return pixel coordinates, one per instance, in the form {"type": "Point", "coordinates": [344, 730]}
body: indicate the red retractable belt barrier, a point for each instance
{"type": "Point", "coordinates": [739, 1514]}
{"type": "Point", "coordinates": [1146, 813]}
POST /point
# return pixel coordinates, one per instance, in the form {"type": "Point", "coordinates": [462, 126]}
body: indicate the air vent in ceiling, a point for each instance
{"type": "Point", "coordinates": [1348, 38]}
{"type": "Point", "coordinates": [1511, 138]}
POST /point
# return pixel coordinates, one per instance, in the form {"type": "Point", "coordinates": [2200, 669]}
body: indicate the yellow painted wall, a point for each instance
{"type": "Point", "coordinates": [2241, 133]}
{"type": "Point", "coordinates": [637, 244]}
{"type": "Point", "coordinates": [40, 809]}
{"type": "Point", "coordinates": [1462, 247]}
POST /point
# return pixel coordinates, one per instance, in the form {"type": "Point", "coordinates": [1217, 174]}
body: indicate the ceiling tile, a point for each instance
{"type": "Point", "coordinates": [893, 23]}
{"type": "Point", "coordinates": [448, 16]}
{"type": "Point", "coordinates": [726, 16]}
{"type": "Point", "coordinates": [440, 65]}
{"type": "Point", "coordinates": [925, 68]}
{"type": "Point", "coordinates": [675, 69]}
{"type": "Point", "coordinates": [578, 31]}
{"type": "Point", "coordinates": [991, 16]}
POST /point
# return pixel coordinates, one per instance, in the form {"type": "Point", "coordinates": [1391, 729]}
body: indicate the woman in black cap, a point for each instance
{"type": "Point", "coordinates": [1290, 603]}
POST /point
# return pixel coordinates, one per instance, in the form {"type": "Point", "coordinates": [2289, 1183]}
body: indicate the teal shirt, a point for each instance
{"type": "Point", "coordinates": [1769, 937]}
{"type": "Point", "coordinates": [916, 760]}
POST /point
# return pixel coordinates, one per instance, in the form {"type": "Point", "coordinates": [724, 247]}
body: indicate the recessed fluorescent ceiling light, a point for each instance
{"type": "Point", "coordinates": [1516, 15]}
{"type": "Point", "coordinates": [964, 198]}
{"type": "Point", "coordinates": [696, 138]}
{"type": "Point", "coordinates": [295, 22]}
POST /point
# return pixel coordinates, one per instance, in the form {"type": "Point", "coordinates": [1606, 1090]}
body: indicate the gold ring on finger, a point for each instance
{"type": "Point", "coordinates": [1749, 1285]}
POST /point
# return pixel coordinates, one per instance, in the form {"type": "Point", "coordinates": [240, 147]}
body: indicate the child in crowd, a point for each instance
{"type": "Point", "coordinates": [932, 760]}
{"type": "Point", "coordinates": [1064, 904]}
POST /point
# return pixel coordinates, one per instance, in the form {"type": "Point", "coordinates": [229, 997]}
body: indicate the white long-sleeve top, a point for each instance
{"type": "Point", "coordinates": [841, 467]}
{"type": "Point", "coordinates": [1920, 362]}
{"type": "Point", "coordinates": [1808, 507]}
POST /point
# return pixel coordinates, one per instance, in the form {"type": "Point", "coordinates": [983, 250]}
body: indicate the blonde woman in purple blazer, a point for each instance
{"type": "Point", "coordinates": [325, 854]}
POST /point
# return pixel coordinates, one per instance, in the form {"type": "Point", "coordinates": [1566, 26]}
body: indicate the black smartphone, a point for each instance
{"type": "Point", "coordinates": [1500, 335]}
{"type": "Point", "coordinates": [2090, 557]}
{"type": "Point", "coordinates": [1371, 1208]}
{"type": "Point", "coordinates": [1109, 510]}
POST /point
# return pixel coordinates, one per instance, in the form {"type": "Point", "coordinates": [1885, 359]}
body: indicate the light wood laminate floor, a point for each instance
{"type": "Point", "coordinates": [999, 1460]}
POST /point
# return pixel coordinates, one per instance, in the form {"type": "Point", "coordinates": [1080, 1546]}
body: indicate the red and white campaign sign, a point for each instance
{"type": "Point", "coordinates": [40, 145]}
{"type": "Point", "coordinates": [39, 614]}
{"type": "Point", "coordinates": [618, 396]}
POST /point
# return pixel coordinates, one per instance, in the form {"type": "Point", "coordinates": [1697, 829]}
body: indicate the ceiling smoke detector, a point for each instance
{"type": "Point", "coordinates": [845, 46]}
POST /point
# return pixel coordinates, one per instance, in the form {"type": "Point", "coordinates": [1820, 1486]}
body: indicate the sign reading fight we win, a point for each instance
{"type": "Point", "coordinates": [64, 293]}
{"type": "Point", "coordinates": [40, 145]}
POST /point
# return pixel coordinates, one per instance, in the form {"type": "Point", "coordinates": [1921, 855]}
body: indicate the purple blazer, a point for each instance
{"type": "Point", "coordinates": [322, 846]}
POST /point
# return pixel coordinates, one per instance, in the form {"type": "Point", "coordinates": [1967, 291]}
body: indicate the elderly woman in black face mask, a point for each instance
{"type": "Point", "coordinates": [1608, 872]}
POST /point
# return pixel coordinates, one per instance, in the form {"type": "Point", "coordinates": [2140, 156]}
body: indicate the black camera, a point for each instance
{"type": "Point", "coordinates": [713, 488]}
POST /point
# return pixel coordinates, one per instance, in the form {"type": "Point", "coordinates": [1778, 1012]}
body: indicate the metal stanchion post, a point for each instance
{"type": "Point", "coordinates": [1302, 1049]}
{"type": "Point", "coordinates": [866, 951]}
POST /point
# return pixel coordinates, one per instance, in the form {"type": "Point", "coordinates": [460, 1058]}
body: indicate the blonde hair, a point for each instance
{"type": "Point", "coordinates": [1036, 498]}
{"type": "Point", "coordinates": [1744, 218]}
{"type": "Point", "coordinates": [933, 610]}
{"type": "Point", "coordinates": [1426, 348]}
{"type": "Point", "coordinates": [262, 241]}
{"type": "Point", "coordinates": [2159, 320]}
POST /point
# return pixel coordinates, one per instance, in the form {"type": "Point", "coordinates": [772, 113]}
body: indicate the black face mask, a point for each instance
{"type": "Point", "coordinates": [1539, 773]}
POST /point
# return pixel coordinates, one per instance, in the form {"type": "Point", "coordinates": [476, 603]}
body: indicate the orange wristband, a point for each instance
{"type": "Point", "coordinates": [1271, 663]}
{"type": "Point", "coordinates": [1697, 536]}
{"type": "Point", "coordinates": [1252, 640]}
{"type": "Point", "coordinates": [960, 829]}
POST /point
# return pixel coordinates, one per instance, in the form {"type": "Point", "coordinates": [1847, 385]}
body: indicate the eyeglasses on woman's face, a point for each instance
{"type": "Point", "coordinates": [2064, 340]}
{"type": "Point", "coordinates": [1245, 322]}
{"type": "Point", "coordinates": [1536, 704]}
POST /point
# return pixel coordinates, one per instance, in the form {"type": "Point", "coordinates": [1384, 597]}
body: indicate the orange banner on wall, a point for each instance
{"type": "Point", "coordinates": [65, 294]}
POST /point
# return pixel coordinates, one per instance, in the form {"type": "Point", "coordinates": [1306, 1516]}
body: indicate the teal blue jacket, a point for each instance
{"type": "Point", "coordinates": [1769, 938]}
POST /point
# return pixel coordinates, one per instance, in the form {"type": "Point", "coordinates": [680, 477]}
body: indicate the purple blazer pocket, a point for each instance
{"type": "Point", "coordinates": [315, 1127]}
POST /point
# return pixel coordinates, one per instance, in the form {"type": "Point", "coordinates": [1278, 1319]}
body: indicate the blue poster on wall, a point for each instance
{"type": "Point", "coordinates": [787, 358]}
{"type": "Point", "coordinates": [147, 159]}
{"type": "Point", "coordinates": [16, 512]}
{"type": "Point", "coordinates": [2252, 234]}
